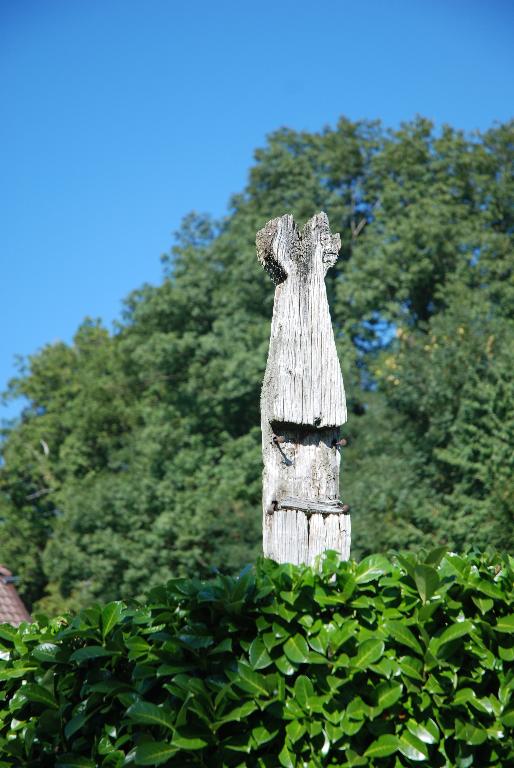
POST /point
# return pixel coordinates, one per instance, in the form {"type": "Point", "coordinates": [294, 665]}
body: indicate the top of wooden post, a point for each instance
{"type": "Point", "coordinates": [303, 384]}
{"type": "Point", "coordinates": [282, 249]}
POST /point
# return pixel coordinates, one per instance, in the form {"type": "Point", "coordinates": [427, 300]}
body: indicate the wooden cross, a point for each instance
{"type": "Point", "coordinates": [303, 403]}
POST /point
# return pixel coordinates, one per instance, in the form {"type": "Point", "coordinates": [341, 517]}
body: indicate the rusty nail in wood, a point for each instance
{"type": "Point", "coordinates": [279, 439]}
{"type": "Point", "coordinates": [345, 508]}
{"type": "Point", "coordinates": [339, 443]}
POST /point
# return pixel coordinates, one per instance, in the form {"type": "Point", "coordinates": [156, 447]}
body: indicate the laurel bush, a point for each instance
{"type": "Point", "coordinates": [388, 662]}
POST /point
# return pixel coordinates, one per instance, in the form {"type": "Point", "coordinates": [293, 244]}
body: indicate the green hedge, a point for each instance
{"type": "Point", "coordinates": [388, 662]}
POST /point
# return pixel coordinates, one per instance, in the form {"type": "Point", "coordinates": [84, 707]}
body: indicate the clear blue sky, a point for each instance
{"type": "Point", "coordinates": [120, 116]}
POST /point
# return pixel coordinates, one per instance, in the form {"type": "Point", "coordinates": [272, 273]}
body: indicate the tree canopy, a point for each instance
{"type": "Point", "coordinates": [137, 457]}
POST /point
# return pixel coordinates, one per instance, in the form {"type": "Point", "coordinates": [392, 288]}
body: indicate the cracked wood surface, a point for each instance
{"type": "Point", "coordinates": [303, 400]}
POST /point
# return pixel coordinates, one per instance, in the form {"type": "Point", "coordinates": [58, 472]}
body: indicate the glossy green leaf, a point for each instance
{"type": "Point", "coordinates": [412, 667]}
{"type": "Point", "coordinates": [427, 581]}
{"type": "Point", "coordinates": [284, 666]}
{"type": "Point", "coordinates": [295, 730]}
{"type": "Point", "coordinates": [507, 654]}
{"type": "Point", "coordinates": [357, 709]}
{"type": "Point", "coordinates": [154, 753]}
{"type": "Point", "coordinates": [426, 731]}
{"type": "Point", "coordinates": [484, 604]}
{"type": "Point", "coordinates": [286, 613]}
{"type": "Point", "coordinates": [507, 718]}
{"type": "Point", "coordinates": [251, 681]}
{"type": "Point", "coordinates": [7, 632]}
{"type": "Point", "coordinates": [183, 741]}
{"type": "Point", "coordinates": [372, 567]}
{"type": "Point", "coordinates": [9, 673]}
{"type": "Point", "coordinates": [195, 642]}
{"type": "Point", "coordinates": [388, 693]}
{"type": "Point", "coordinates": [368, 653]}
{"type": "Point", "coordinates": [459, 565]}
{"type": "Point", "coordinates": [412, 747]}
{"type": "Point", "coordinates": [384, 667]}
{"type": "Point", "coordinates": [115, 759]}
{"type": "Point", "coordinates": [468, 696]}
{"type": "Point", "coordinates": [403, 635]}
{"type": "Point", "coordinates": [505, 690]}
{"type": "Point", "coordinates": [385, 745]}
{"type": "Point", "coordinates": [47, 652]}
{"type": "Point", "coordinates": [286, 758]}
{"type": "Point", "coordinates": [89, 652]}
{"type": "Point", "coordinates": [225, 646]}
{"type": "Point", "coordinates": [296, 649]}
{"type": "Point", "coordinates": [262, 735]}
{"type": "Point", "coordinates": [303, 690]}
{"type": "Point", "coordinates": [469, 733]}
{"type": "Point", "coordinates": [240, 712]}
{"type": "Point", "coordinates": [39, 694]}
{"type": "Point", "coordinates": [111, 615]}
{"type": "Point", "coordinates": [259, 656]}
{"type": "Point", "coordinates": [18, 700]}
{"type": "Point", "coordinates": [488, 588]}
{"type": "Point", "coordinates": [454, 632]}
{"type": "Point", "coordinates": [435, 556]}
{"type": "Point", "coordinates": [145, 713]}
{"type": "Point", "coordinates": [505, 624]}
{"type": "Point", "coordinates": [353, 759]}
{"type": "Point", "coordinates": [75, 724]}
{"type": "Point", "coordinates": [407, 562]}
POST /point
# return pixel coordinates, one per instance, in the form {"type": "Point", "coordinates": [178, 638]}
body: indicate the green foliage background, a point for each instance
{"type": "Point", "coordinates": [137, 457]}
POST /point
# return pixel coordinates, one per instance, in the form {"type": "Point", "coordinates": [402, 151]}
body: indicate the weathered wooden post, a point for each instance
{"type": "Point", "coordinates": [303, 402]}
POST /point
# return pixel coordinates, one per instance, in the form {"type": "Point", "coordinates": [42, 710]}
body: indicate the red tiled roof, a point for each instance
{"type": "Point", "coordinates": [12, 610]}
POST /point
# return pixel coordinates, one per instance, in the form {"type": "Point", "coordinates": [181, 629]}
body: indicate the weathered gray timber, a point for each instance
{"type": "Point", "coordinates": [303, 403]}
